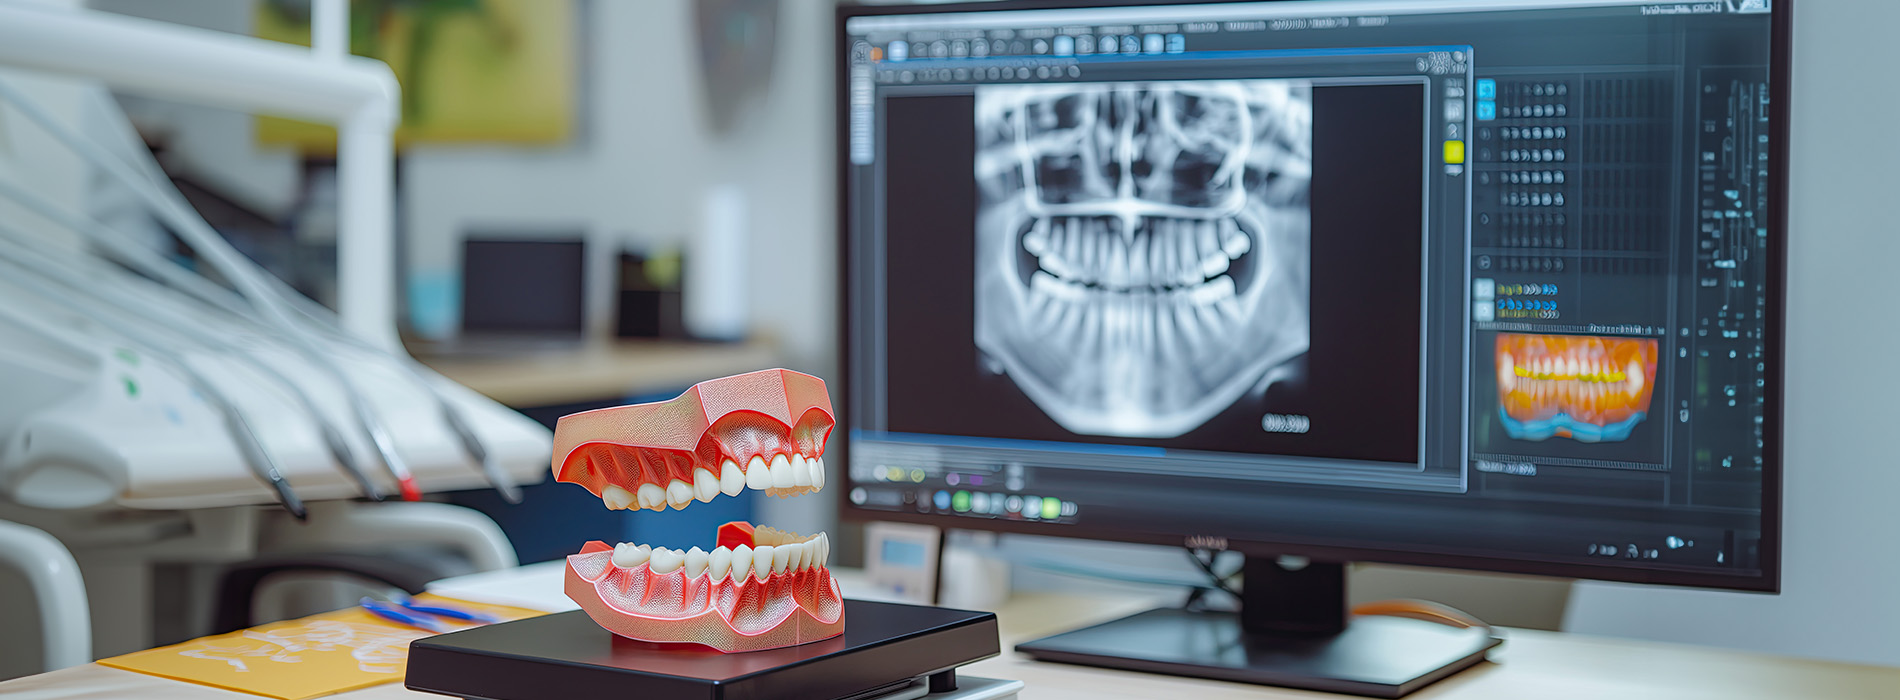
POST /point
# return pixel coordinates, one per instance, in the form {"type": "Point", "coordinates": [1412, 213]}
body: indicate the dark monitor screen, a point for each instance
{"type": "Point", "coordinates": [523, 287]}
{"type": "Point", "coordinates": [1466, 283]}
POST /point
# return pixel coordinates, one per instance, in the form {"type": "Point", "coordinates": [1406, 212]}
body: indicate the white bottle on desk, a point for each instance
{"type": "Point", "coordinates": [714, 293]}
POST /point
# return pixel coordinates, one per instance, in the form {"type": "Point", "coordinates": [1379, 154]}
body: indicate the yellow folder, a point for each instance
{"type": "Point", "coordinates": [304, 658]}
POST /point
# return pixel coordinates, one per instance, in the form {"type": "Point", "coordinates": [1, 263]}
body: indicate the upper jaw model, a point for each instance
{"type": "Point", "coordinates": [758, 588]}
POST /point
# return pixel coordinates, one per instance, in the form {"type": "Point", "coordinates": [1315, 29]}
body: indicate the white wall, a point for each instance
{"type": "Point", "coordinates": [1841, 471]}
{"type": "Point", "coordinates": [637, 171]}
{"type": "Point", "coordinates": [644, 159]}
{"type": "Point", "coordinates": [217, 146]}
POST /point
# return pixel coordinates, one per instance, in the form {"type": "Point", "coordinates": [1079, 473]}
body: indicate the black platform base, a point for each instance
{"type": "Point", "coordinates": [1383, 657]}
{"type": "Point", "coordinates": [565, 656]}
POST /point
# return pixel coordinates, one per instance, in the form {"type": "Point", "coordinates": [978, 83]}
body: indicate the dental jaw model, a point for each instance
{"type": "Point", "coordinates": [759, 588]}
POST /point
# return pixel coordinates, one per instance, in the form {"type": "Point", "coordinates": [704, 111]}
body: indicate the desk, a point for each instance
{"type": "Point", "coordinates": [1531, 664]}
{"type": "Point", "coordinates": [597, 371]}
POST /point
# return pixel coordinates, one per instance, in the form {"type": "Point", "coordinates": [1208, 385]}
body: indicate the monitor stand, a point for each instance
{"type": "Point", "coordinates": [1293, 630]}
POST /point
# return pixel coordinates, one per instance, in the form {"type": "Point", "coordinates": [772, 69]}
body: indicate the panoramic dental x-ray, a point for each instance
{"type": "Point", "coordinates": [1142, 248]}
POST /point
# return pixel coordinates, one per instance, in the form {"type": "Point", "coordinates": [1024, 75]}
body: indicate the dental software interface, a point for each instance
{"type": "Point", "coordinates": [1347, 262]}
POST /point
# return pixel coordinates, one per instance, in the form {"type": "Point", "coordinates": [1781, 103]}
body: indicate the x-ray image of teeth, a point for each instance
{"type": "Point", "coordinates": [1142, 248]}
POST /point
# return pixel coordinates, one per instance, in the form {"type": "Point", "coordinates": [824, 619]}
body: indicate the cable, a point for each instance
{"type": "Point", "coordinates": [1422, 610]}
{"type": "Point", "coordinates": [151, 265]}
{"type": "Point", "coordinates": [228, 262]}
{"type": "Point", "coordinates": [135, 257]}
{"type": "Point", "coordinates": [249, 447]}
{"type": "Point", "coordinates": [324, 319]}
{"type": "Point", "coordinates": [1220, 581]}
{"type": "Point", "coordinates": [176, 323]}
{"type": "Point", "coordinates": [255, 287]}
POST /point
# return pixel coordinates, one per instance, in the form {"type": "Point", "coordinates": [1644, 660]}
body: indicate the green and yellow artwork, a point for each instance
{"type": "Point", "coordinates": [471, 70]}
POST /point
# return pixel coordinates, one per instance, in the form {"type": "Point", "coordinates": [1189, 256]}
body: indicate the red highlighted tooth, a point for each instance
{"type": "Point", "coordinates": [735, 533]}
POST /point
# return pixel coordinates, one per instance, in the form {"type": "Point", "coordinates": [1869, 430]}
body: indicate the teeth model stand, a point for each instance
{"type": "Point", "coordinates": [672, 623]}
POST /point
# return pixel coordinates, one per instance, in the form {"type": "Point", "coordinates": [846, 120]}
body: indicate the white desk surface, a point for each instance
{"type": "Point", "coordinates": [1531, 664]}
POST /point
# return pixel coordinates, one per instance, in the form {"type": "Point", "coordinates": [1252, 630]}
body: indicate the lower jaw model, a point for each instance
{"type": "Point", "coordinates": [758, 588]}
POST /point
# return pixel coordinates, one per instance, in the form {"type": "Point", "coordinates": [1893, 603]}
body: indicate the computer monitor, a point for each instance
{"type": "Point", "coordinates": [1487, 284]}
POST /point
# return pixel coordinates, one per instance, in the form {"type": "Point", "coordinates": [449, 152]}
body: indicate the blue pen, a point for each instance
{"type": "Point", "coordinates": [396, 615]}
{"type": "Point", "coordinates": [448, 612]}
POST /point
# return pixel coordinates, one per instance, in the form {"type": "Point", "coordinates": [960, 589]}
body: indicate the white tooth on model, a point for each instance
{"type": "Point", "coordinates": [718, 563]}
{"type": "Point", "coordinates": [800, 555]}
{"type": "Point", "coordinates": [652, 496]}
{"type": "Point", "coordinates": [617, 498]}
{"type": "Point", "coordinates": [696, 560]}
{"type": "Point", "coordinates": [741, 563]}
{"type": "Point", "coordinates": [762, 561]}
{"type": "Point", "coordinates": [817, 465]}
{"type": "Point", "coordinates": [665, 561]}
{"type": "Point", "coordinates": [731, 480]}
{"type": "Point", "coordinates": [824, 550]}
{"type": "Point", "coordinates": [758, 477]}
{"type": "Point", "coordinates": [627, 555]}
{"type": "Point", "coordinates": [678, 494]}
{"type": "Point", "coordinates": [801, 472]}
{"type": "Point", "coordinates": [781, 472]}
{"type": "Point", "coordinates": [781, 557]}
{"type": "Point", "coordinates": [705, 485]}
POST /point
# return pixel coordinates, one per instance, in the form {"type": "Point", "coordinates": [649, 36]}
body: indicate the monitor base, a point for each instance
{"type": "Point", "coordinates": [1384, 657]}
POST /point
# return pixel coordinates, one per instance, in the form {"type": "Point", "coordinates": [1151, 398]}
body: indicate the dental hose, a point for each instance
{"type": "Point", "coordinates": [264, 300]}
{"type": "Point", "coordinates": [249, 447]}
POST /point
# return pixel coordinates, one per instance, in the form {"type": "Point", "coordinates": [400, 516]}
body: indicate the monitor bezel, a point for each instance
{"type": "Point", "coordinates": [1767, 581]}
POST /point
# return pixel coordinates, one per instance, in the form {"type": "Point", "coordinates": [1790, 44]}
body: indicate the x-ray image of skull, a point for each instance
{"type": "Point", "coordinates": [1142, 248]}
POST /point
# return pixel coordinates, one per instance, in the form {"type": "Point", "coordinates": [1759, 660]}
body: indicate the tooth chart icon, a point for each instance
{"type": "Point", "coordinates": [759, 588]}
{"type": "Point", "coordinates": [1583, 387]}
{"type": "Point", "coordinates": [1142, 249]}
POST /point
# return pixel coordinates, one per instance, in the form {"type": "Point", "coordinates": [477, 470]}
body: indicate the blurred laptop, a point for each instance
{"type": "Point", "coordinates": [520, 296]}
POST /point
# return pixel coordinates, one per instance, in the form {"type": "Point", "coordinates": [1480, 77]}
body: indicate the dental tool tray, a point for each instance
{"type": "Point", "coordinates": [562, 656]}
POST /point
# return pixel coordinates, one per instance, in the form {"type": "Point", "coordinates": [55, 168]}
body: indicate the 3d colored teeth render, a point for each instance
{"type": "Point", "coordinates": [1588, 388]}
{"type": "Point", "coordinates": [781, 477]}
